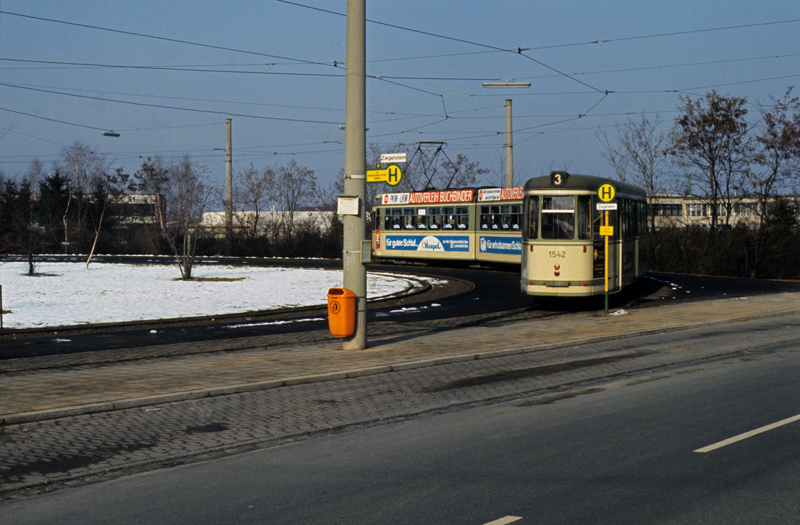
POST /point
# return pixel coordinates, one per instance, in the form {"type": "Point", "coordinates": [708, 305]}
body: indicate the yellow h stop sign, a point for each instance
{"type": "Point", "coordinates": [391, 175]}
{"type": "Point", "coordinates": [606, 193]}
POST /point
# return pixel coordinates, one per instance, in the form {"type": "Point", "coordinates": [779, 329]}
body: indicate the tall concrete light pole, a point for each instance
{"type": "Point", "coordinates": [509, 140]}
{"type": "Point", "coordinates": [228, 185]}
{"type": "Point", "coordinates": [355, 150]}
{"type": "Point", "coordinates": [509, 147]}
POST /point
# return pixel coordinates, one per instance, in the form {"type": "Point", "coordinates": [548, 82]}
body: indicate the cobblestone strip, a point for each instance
{"type": "Point", "coordinates": [59, 452]}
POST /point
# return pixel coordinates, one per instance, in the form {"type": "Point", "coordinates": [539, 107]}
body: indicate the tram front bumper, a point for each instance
{"type": "Point", "coordinates": [553, 287]}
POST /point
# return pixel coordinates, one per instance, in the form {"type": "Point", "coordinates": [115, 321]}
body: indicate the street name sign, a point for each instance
{"type": "Point", "coordinates": [387, 158]}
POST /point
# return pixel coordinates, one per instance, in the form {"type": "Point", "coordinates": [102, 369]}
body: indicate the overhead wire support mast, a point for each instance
{"type": "Point", "coordinates": [354, 270]}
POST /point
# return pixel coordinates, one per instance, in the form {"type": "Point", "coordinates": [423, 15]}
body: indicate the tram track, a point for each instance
{"type": "Point", "coordinates": [463, 296]}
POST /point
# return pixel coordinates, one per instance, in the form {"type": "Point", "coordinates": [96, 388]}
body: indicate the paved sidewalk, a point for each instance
{"type": "Point", "coordinates": [254, 364]}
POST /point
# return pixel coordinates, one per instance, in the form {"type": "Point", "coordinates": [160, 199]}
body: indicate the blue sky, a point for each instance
{"type": "Point", "coordinates": [276, 76]}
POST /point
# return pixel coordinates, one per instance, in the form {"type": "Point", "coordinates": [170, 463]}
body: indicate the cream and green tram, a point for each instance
{"type": "Point", "coordinates": [563, 251]}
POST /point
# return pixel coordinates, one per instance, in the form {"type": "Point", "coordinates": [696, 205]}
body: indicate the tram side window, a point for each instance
{"type": "Point", "coordinates": [584, 217]}
{"type": "Point", "coordinates": [626, 220]}
{"type": "Point", "coordinates": [435, 218]}
{"type": "Point", "coordinates": [491, 218]}
{"type": "Point", "coordinates": [486, 217]}
{"type": "Point", "coordinates": [532, 213]}
{"type": "Point", "coordinates": [558, 217]}
{"type": "Point", "coordinates": [462, 217]}
{"type": "Point", "coordinates": [449, 216]}
{"type": "Point", "coordinates": [496, 217]}
{"type": "Point", "coordinates": [408, 218]}
{"type": "Point", "coordinates": [393, 219]}
{"type": "Point", "coordinates": [503, 217]}
{"type": "Point", "coordinates": [505, 213]}
{"type": "Point", "coordinates": [455, 218]}
{"type": "Point", "coordinates": [422, 219]}
{"type": "Point", "coordinates": [513, 218]}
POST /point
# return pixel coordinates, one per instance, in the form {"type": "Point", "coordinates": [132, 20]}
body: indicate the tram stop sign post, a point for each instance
{"type": "Point", "coordinates": [391, 175]}
{"type": "Point", "coordinates": [606, 193]}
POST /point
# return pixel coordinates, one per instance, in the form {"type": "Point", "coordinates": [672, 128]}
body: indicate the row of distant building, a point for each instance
{"type": "Point", "coordinates": [669, 211]}
{"type": "Point", "coordinates": [682, 211]}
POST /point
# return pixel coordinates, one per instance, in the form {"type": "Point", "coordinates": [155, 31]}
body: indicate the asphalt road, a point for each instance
{"type": "Point", "coordinates": [611, 441]}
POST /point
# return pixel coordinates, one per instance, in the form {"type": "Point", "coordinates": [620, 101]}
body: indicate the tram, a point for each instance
{"type": "Point", "coordinates": [482, 225]}
{"type": "Point", "coordinates": [563, 251]}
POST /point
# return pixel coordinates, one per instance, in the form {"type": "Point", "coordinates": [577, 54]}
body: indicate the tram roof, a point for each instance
{"type": "Point", "coordinates": [582, 182]}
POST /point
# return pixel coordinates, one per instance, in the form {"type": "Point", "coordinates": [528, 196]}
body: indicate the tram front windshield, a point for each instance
{"type": "Point", "coordinates": [558, 217]}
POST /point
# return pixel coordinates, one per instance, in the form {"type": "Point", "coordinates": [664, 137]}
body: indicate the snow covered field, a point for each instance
{"type": "Point", "coordinates": [70, 294]}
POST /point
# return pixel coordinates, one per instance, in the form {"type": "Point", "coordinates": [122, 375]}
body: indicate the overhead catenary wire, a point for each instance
{"type": "Point", "coordinates": [52, 119]}
{"type": "Point", "coordinates": [176, 108]}
{"type": "Point", "coordinates": [166, 39]}
{"type": "Point", "coordinates": [198, 69]}
{"type": "Point", "coordinates": [518, 51]}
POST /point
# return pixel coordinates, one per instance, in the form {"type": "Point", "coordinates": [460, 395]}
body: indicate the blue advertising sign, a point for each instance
{"type": "Point", "coordinates": [428, 243]}
{"type": "Point", "coordinates": [504, 245]}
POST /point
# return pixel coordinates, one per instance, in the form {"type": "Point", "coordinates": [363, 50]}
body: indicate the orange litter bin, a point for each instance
{"type": "Point", "coordinates": [341, 312]}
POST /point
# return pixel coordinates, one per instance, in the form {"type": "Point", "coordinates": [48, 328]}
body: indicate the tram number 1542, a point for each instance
{"type": "Point", "coordinates": [556, 254]}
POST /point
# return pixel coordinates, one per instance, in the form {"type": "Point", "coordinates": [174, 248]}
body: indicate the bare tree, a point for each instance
{"type": "Point", "coordinates": [640, 157]}
{"type": "Point", "coordinates": [84, 166]}
{"type": "Point", "coordinates": [36, 173]}
{"type": "Point", "coordinates": [614, 155]}
{"type": "Point", "coordinates": [462, 172]}
{"type": "Point", "coordinates": [778, 150]}
{"type": "Point", "coordinates": [711, 140]}
{"type": "Point", "coordinates": [151, 179]}
{"type": "Point", "coordinates": [109, 190]}
{"type": "Point", "coordinates": [188, 195]}
{"type": "Point", "coordinates": [295, 186]}
{"type": "Point", "coordinates": [496, 176]}
{"type": "Point", "coordinates": [252, 194]}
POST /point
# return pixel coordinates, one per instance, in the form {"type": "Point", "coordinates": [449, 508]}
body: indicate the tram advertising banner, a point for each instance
{"type": "Point", "coordinates": [428, 197]}
{"type": "Point", "coordinates": [428, 243]}
{"type": "Point", "coordinates": [503, 245]}
{"type": "Point", "coordinates": [500, 194]}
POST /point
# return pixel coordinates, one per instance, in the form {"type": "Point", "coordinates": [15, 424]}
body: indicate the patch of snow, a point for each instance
{"type": "Point", "coordinates": [67, 294]}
